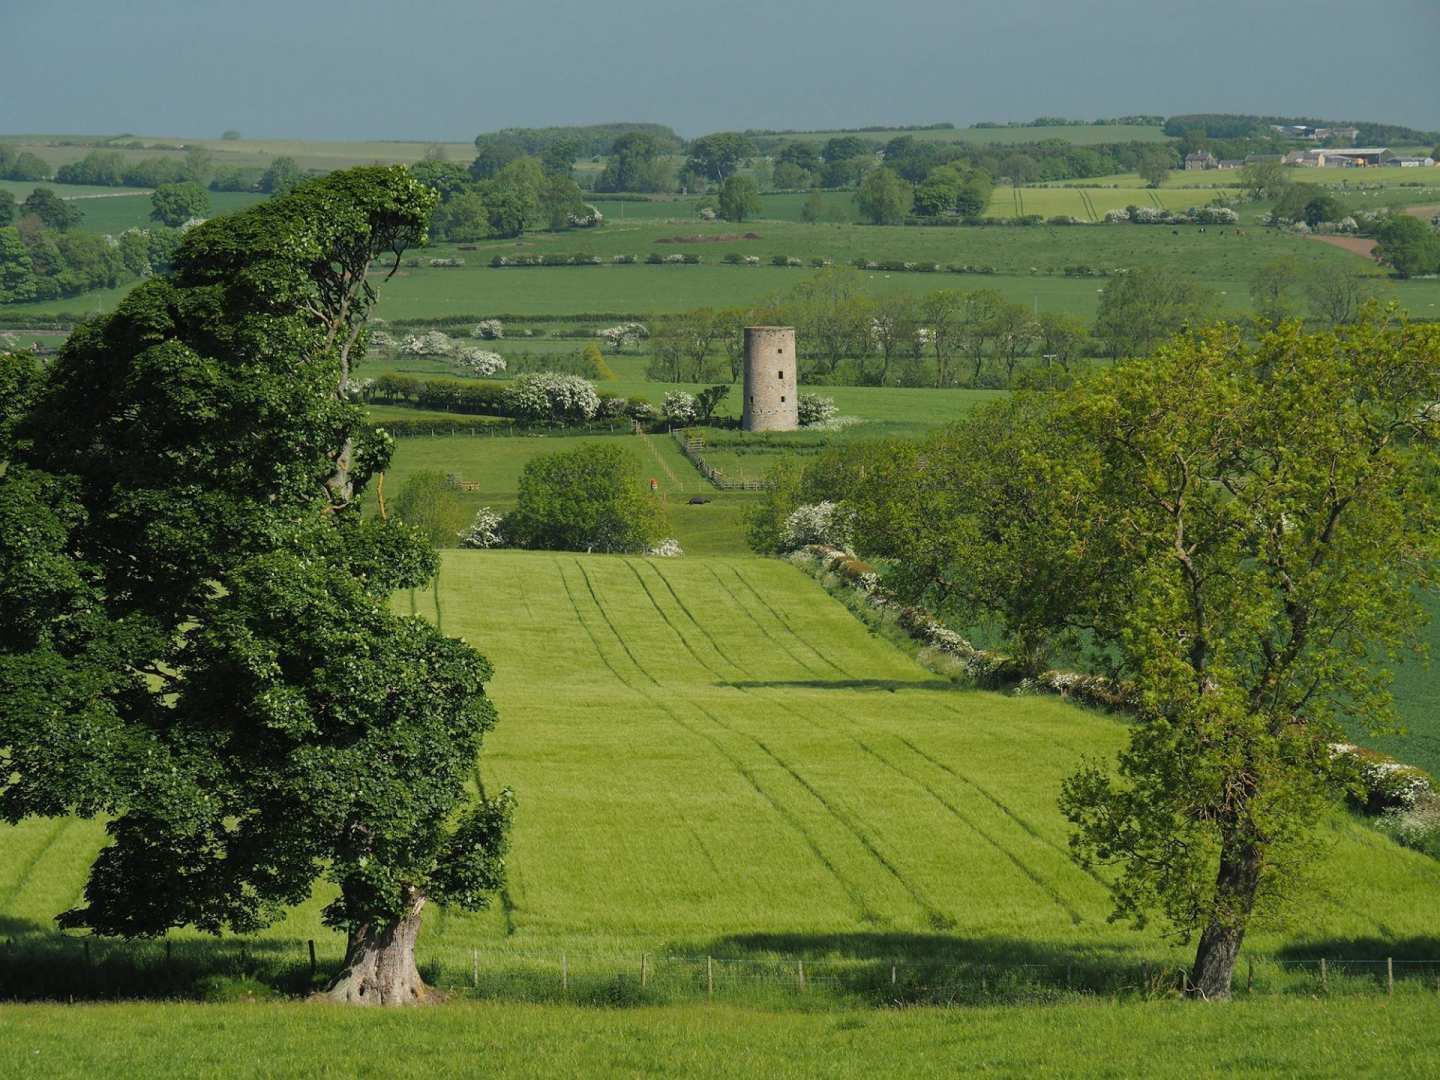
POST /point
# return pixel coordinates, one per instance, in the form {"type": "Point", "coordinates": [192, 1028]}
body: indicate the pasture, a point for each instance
{"type": "Point", "coordinates": [1246, 1039]}
{"type": "Point", "coordinates": [713, 757]}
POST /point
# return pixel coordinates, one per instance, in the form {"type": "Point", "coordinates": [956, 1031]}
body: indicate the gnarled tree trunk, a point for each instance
{"type": "Point", "coordinates": [380, 966]}
{"type": "Point", "coordinates": [1219, 948]}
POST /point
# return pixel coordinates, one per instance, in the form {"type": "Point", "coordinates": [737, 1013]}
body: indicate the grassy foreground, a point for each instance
{"type": "Point", "coordinates": [1289, 1038]}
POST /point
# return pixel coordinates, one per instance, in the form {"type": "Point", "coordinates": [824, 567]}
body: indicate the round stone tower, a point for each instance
{"type": "Point", "coordinates": [772, 388]}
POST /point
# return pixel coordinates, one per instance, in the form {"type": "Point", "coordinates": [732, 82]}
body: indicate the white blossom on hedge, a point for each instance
{"type": "Point", "coordinates": [679, 406]}
{"type": "Point", "coordinates": [825, 523]}
{"type": "Point", "coordinates": [587, 217]}
{"type": "Point", "coordinates": [668, 548]}
{"type": "Point", "coordinates": [484, 531]}
{"type": "Point", "coordinates": [814, 409]}
{"type": "Point", "coordinates": [430, 343]}
{"type": "Point", "coordinates": [547, 395]}
{"type": "Point", "coordinates": [617, 337]}
{"type": "Point", "coordinates": [481, 363]}
{"type": "Point", "coordinates": [489, 329]}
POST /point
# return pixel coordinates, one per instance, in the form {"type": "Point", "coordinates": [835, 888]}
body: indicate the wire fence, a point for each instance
{"type": "Point", "coordinates": [61, 967]}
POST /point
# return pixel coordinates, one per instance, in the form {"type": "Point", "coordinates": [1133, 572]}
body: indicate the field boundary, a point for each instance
{"type": "Point", "coordinates": [86, 968]}
{"type": "Point", "coordinates": [692, 445]}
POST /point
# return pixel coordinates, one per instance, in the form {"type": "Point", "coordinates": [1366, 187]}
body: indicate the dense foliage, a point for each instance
{"type": "Point", "coordinates": [195, 633]}
{"type": "Point", "coordinates": [586, 499]}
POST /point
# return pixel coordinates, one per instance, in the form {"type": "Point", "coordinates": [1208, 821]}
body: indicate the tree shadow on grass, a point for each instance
{"type": "Point", "coordinates": [892, 967]}
{"type": "Point", "coordinates": [1412, 958]}
{"type": "Point", "coordinates": [889, 685]}
{"type": "Point", "coordinates": [37, 963]}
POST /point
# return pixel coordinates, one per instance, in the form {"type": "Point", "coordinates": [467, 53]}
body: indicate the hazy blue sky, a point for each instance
{"type": "Point", "coordinates": [447, 69]}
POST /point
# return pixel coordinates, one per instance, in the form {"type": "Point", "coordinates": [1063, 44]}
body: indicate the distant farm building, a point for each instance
{"type": "Point", "coordinates": [1348, 158]}
{"type": "Point", "coordinates": [1201, 159]}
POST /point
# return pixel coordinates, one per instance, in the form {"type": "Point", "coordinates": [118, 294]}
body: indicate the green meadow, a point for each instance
{"type": "Point", "coordinates": [712, 757]}
{"type": "Point", "coordinates": [1259, 1039]}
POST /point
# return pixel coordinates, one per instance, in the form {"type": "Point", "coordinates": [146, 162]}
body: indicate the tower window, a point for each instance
{"type": "Point", "coordinates": [752, 399]}
{"type": "Point", "coordinates": [782, 399]}
{"type": "Point", "coordinates": [781, 350]}
{"type": "Point", "coordinates": [780, 375]}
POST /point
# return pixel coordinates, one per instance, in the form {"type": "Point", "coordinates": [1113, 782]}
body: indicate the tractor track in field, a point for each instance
{"type": "Point", "coordinates": [785, 623]}
{"type": "Point", "coordinates": [1033, 875]}
{"type": "Point", "coordinates": [855, 895]}
{"type": "Point", "coordinates": [933, 914]}
{"type": "Point", "coordinates": [22, 877]}
{"type": "Point", "coordinates": [606, 616]}
{"type": "Point", "coordinates": [696, 622]}
{"type": "Point", "coordinates": [740, 606]}
{"type": "Point", "coordinates": [937, 918]}
{"type": "Point", "coordinates": [999, 804]}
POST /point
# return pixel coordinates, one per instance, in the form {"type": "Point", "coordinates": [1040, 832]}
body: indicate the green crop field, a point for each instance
{"type": "Point", "coordinates": [712, 757]}
{"type": "Point", "coordinates": [1246, 1039]}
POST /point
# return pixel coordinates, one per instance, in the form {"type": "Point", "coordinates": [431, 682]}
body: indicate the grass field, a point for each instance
{"type": "Point", "coordinates": [711, 756]}
{"type": "Point", "coordinates": [1252, 1039]}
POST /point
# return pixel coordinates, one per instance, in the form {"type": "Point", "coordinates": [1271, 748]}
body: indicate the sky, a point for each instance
{"type": "Point", "coordinates": [449, 69]}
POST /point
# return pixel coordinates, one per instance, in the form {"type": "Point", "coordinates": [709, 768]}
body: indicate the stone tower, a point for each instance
{"type": "Point", "coordinates": [772, 388]}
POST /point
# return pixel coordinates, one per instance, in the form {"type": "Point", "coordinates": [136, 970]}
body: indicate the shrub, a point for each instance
{"type": "Point", "coordinates": [551, 397]}
{"type": "Point", "coordinates": [484, 530]}
{"type": "Point", "coordinates": [586, 499]}
{"type": "Point", "coordinates": [430, 343]}
{"type": "Point", "coordinates": [640, 410]}
{"type": "Point", "coordinates": [479, 362]}
{"type": "Point", "coordinates": [429, 502]}
{"type": "Point", "coordinates": [814, 409]}
{"type": "Point", "coordinates": [1381, 783]}
{"type": "Point", "coordinates": [679, 407]}
{"type": "Point", "coordinates": [611, 406]}
{"type": "Point", "coordinates": [668, 548]}
{"type": "Point", "coordinates": [1416, 826]}
{"type": "Point", "coordinates": [732, 258]}
{"type": "Point", "coordinates": [587, 217]}
{"type": "Point", "coordinates": [630, 333]}
{"type": "Point", "coordinates": [489, 329]}
{"type": "Point", "coordinates": [825, 523]}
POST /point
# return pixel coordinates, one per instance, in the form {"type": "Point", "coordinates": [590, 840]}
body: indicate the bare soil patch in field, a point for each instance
{"type": "Point", "coordinates": [1423, 212]}
{"type": "Point", "coordinates": [1358, 245]}
{"type": "Point", "coordinates": [715, 238]}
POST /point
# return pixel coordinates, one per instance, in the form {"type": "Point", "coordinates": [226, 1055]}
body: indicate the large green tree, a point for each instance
{"type": "Point", "coordinates": [175, 204]}
{"type": "Point", "coordinates": [716, 157]}
{"type": "Point", "coordinates": [53, 211]}
{"type": "Point", "coordinates": [1145, 305]}
{"type": "Point", "coordinates": [586, 499]}
{"type": "Point", "coordinates": [1408, 244]}
{"type": "Point", "coordinates": [883, 198]}
{"type": "Point", "coordinates": [739, 199]}
{"type": "Point", "coordinates": [195, 634]}
{"type": "Point", "coordinates": [1242, 533]}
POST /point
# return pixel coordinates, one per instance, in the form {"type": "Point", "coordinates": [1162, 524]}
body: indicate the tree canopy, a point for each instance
{"type": "Point", "coordinates": [195, 634]}
{"type": "Point", "coordinates": [1240, 534]}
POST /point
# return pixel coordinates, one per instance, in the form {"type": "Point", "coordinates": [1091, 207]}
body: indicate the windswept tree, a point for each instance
{"type": "Point", "coordinates": [195, 634]}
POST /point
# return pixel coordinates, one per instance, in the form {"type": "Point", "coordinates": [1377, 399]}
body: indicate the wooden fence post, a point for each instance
{"type": "Point", "coordinates": [800, 967]}
{"type": "Point", "coordinates": [475, 969]}
{"type": "Point", "coordinates": [1250, 978]}
{"type": "Point", "coordinates": [892, 974]}
{"type": "Point", "coordinates": [313, 966]}
{"type": "Point", "coordinates": [1324, 976]}
{"type": "Point", "coordinates": [709, 978]}
{"type": "Point", "coordinates": [643, 972]}
{"type": "Point", "coordinates": [1390, 975]}
{"type": "Point", "coordinates": [564, 973]}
